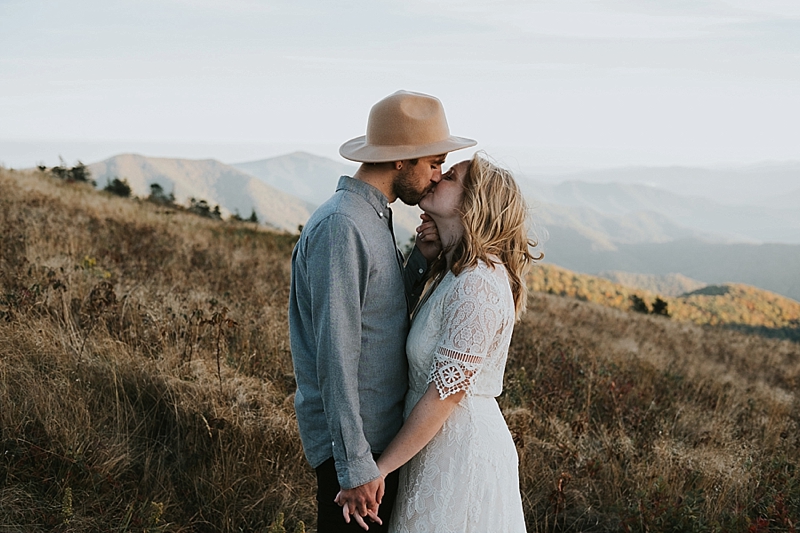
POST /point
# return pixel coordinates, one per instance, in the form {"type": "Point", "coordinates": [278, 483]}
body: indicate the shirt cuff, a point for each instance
{"type": "Point", "coordinates": [357, 472]}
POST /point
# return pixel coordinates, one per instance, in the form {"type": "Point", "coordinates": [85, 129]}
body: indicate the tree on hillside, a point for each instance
{"type": "Point", "coordinates": [201, 207]}
{"type": "Point", "coordinates": [660, 308]}
{"type": "Point", "coordinates": [59, 171]}
{"type": "Point", "coordinates": [120, 187]}
{"type": "Point", "coordinates": [638, 304]}
{"type": "Point", "coordinates": [158, 196]}
{"type": "Point", "coordinates": [79, 172]}
{"type": "Point", "coordinates": [253, 217]}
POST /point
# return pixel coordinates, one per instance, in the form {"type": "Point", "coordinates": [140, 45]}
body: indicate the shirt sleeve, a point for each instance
{"type": "Point", "coordinates": [338, 259]}
{"type": "Point", "coordinates": [472, 323]}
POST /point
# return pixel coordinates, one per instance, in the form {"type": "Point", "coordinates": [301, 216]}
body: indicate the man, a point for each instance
{"type": "Point", "coordinates": [350, 299]}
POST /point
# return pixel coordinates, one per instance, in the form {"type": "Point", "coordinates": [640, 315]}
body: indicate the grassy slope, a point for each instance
{"type": "Point", "coordinates": [108, 375]}
{"type": "Point", "coordinates": [629, 422]}
{"type": "Point", "coordinates": [731, 305]}
{"type": "Point", "coordinates": [113, 317]}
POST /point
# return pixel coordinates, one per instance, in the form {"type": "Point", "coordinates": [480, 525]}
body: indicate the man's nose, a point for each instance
{"type": "Point", "coordinates": [437, 176]}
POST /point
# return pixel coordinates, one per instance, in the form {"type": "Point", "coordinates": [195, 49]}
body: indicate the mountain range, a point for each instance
{"type": "Point", "coordinates": [313, 178]}
{"type": "Point", "coordinates": [775, 267]}
{"type": "Point", "coordinates": [706, 216]}
{"type": "Point", "coordinates": [775, 185]}
{"type": "Point", "coordinates": [233, 190]}
{"type": "Point", "coordinates": [581, 223]}
{"type": "Point", "coordinates": [309, 177]}
{"type": "Point", "coordinates": [283, 191]}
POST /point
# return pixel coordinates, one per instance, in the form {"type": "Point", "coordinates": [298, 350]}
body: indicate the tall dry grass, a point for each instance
{"type": "Point", "coordinates": [637, 423]}
{"type": "Point", "coordinates": [114, 315]}
{"type": "Point", "coordinates": [145, 385]}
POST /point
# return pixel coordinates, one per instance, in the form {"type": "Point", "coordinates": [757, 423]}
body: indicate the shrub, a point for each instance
{"type": "Point", "coordinates": [77, 173]}
{"type": "Point", "coordinates": [117, 186]}
{"type": "Point", "coordinates": [158, 196]}
{"type": "Point", "coordinates": [660, 308]}
{"type": "Point", "coordinates": [201, 207]}
{"type": "Point", "coordinates": [638, 304]}
{"type": "Point", "coordinates": [59, 171]}
{"type": "Point", "coordinates": [236, 216]}
{"type": "Point", "coordinates": [80, 173]}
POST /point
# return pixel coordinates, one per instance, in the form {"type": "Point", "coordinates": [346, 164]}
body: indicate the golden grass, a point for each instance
{"type": "Point", "coordinates": [108, 367]}
{"type": "Point", "coordinates": [115, 313]}
{"type": "Point", "coordinates": [651, 425]}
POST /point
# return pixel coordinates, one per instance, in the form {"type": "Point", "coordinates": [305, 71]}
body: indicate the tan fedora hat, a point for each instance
{"type": "Point", "coordinates": [404, 125]}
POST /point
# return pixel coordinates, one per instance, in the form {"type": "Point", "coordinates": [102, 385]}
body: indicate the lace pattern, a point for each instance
{"type": "Point", "coordinates": [453, 372]}
{"type": "Point", "coordinates": [465, 480]}
{"type": "Point", "coordinates": [472, 323]}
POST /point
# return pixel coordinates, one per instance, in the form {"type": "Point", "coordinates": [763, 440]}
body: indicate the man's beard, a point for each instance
{"type": "Point", "coordinates": [403, 188]}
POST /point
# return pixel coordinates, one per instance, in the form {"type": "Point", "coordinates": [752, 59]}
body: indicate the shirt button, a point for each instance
{"type": "Point", "coordinates": [380, 215]}
{"type": "Point", "coordinates": [421, 270]}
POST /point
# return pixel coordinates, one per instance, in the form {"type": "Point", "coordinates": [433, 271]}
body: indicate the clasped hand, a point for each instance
{"type": "Point", "coordinates": [362, 501]}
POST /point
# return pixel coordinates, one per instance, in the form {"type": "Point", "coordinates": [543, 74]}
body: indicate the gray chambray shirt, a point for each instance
{"type": "Point", "coordinates": [348, 322]}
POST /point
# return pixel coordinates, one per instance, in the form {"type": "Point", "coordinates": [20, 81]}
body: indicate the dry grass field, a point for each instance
{"type": "Point", "coordinates": [146, 385]}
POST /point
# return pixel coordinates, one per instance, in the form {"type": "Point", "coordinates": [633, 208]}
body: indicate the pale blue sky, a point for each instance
{"type": "Point", "coordinates": [543, 83]}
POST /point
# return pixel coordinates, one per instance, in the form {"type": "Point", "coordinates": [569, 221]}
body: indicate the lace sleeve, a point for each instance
{"type": "Point", "coordinates": [471, 322]}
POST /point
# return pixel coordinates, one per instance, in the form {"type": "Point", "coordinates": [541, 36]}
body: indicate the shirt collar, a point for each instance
{"type": "Point", "coordinates": [373, 196]}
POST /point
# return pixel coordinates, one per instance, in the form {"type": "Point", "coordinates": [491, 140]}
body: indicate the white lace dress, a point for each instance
{"type": "Point", "coordinates": [466, 479]}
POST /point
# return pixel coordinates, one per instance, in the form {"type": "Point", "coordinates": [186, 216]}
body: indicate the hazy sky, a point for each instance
{"type": "Point", "coordinates": [551, 82]}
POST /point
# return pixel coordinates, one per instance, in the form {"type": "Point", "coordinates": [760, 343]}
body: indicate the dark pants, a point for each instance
{"type": "Point", "coordinates": [329, 514]}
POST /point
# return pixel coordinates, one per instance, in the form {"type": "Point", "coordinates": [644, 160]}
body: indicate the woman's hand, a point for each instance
{"type": "Point", "coordinates": [362, 501]}
{"type": "Point", "coordinates": [427, 239]}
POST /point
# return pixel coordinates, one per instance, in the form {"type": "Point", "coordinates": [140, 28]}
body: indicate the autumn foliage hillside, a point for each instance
{"type": "Point", "coordinates": [146, 385]}
{"type": "Point", "coordinates": [732, 305]}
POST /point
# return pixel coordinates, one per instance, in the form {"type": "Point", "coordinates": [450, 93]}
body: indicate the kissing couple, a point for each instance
{"type": "Point", "coordinates": [398, 361]}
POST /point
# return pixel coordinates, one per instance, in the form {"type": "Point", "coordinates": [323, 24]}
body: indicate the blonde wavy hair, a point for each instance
{"type": "Point", "coordinates": [495, 218]}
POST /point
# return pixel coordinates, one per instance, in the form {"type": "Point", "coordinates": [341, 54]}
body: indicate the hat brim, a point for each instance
{"type": "Point", "coordinates": [358, 150]}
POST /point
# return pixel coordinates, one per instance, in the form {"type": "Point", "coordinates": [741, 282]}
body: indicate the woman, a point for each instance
{"type": "Point", "coordinates": [460, 472]}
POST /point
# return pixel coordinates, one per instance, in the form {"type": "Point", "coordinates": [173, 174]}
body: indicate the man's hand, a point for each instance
{"type": "Point", "coordinates": [362, 501]}
{"type": "Point", "coordinates": [427, 239]}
